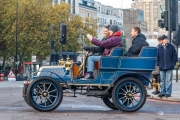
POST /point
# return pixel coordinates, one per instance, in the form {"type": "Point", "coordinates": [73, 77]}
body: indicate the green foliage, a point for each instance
{"type": "Point", "coordinates": [37, 19]}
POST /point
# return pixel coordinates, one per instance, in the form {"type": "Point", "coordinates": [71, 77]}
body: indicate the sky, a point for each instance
{"type": "Point", "coordinates": [116, 3]}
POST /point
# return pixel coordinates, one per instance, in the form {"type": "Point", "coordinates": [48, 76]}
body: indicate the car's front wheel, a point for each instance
{"type": "Point", "coordinates": [44, 94]}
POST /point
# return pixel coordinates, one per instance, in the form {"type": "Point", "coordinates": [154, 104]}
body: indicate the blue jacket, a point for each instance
{"type": "Point", "coordinates": [167, 57]}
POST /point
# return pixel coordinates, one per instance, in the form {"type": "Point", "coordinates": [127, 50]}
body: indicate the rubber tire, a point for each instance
{"type": "Point", "coordinates": [58, 102]}
{"type": "Point", "coordinates": [24, 91]}
{"type": "Point", "coordinates": [139, 83]}
{"type": "Point", "coordinates": [109, 104]}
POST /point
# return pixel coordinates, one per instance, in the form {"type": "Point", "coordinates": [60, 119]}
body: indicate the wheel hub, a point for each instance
{"type": "Point", "coordinates": [45, 94]}
{"type": "Point", "coordinates": [129, 95]}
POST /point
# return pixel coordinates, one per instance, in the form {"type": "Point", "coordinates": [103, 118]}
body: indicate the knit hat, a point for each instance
{"type": "Point", "coordinates": [164, 37]}
{"type": "Point", "coordinates": [113, 28]}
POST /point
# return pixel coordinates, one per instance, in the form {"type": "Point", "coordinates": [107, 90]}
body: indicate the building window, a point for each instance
{"type": "Point", "coordinates": [84, 2]}
{"type": "Point", "coordinates": [73, 4]}
{"type": "Point", "coordinates": [110, 22]}
{"type": "Point", "coordinates": [82, 14]}
{"type": "Point", "coordinates": [99, 9]}
{"type": "Point", "coordinates": [81, 2]}
{"type": "Point", "coordinates": [55, 1]}
{"type": "Point", "coordinates": [90, 4]}
{"type": "Point", "coordinates": [105, 21]}
{"type": "Point", "coordinates": [69, 2]}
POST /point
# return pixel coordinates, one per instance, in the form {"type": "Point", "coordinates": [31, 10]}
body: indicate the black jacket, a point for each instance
{"type": "Point", "coordinates": [138, 42]}
{"type": "Point", "coordinates": [167, 57]}
{"type": "Point", "coordinates": [98, 50]}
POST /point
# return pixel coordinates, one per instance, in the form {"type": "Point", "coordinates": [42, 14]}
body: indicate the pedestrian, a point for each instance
{"type": "Point", "coordinates": [139, 41]}
{"type": "Point", "coordinates": [156, 72]}
{"type": "Point", "coordinates": [114, 40]}
{"type": "Point", "coordinates": [166, 60]}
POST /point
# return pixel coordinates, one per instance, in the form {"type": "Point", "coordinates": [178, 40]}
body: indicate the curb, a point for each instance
{"type": "Point", "coordinates": [172, 98]}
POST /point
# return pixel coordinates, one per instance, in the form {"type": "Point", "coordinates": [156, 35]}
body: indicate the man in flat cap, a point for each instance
{"type": "Point", "coordinates": [166, 60]}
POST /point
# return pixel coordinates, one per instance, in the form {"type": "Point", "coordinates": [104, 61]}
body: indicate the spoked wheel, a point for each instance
{"type": "Point", "coordinates": [129, 94]}
{"type": "Point", "coordinates": [44, 94]}
{"type": "Point", "coordinates": [24, 91]}
{"type": "Point", "coordinates": [108, 102]}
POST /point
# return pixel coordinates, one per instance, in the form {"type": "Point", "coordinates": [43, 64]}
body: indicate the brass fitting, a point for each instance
{"type": "Point", "coordinates": [68, 64]}
{"type": "Point", "coordinates": [154, 84]}
{"type": "Point", "coordinates": [61, 62]}
{"type": "Point", "coordinates": [159, 87]}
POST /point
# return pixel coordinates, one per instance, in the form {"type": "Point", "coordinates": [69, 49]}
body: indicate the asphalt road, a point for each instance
{"type": "Point", "coordinates": [13, 107]}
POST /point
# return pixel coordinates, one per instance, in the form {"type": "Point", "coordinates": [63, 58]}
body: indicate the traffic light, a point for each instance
{"type": "Point", "coordinates": [176, 37]}
{"type": "Point", "coordinates": [63, 33]}
{"type": "Point", "coordinates": [174, 14]}
{"type": "Point", "coordinates": [163, 23]}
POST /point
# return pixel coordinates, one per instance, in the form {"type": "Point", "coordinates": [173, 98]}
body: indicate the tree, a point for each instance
{"type": "Point", "coordinates": [123, 38]}
{"type": "Point", "coordinates": [7, 18]}
{"type": "Point", "coordinates": [37, 20]}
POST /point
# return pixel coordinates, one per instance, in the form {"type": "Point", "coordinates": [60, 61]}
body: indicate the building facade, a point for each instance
{"type": "Point", "coordinates": [74, 5]}
{"type": "Point", "coordinates": [108, 15]}
{"type": "Point", "coordinates": [152, 13]}
{"type": "Point", "coordinates": [133, 18]}
{"type": "Point", "coordinates": [87, 9]}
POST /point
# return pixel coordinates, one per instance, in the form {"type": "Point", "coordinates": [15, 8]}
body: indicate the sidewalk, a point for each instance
{"type": "Point", "coordinates": [175, 96]}
{"type": "Point", "coordinates": [11, 84]}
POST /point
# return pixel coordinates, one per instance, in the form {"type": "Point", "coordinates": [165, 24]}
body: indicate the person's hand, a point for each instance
{"type": "Point", "coordinates": [89, 37]}
{"type": "Point", "coordinates": [87, 48]}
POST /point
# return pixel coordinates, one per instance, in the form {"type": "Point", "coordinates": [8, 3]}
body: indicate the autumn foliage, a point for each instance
{"type": "Point", "coordinates": [37, 19]}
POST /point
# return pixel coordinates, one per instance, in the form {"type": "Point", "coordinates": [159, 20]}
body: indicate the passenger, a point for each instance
{"type": "Point", "coordinates": [139, 41]}
{"type": "Point", "coordinates": [99, 50]}
{"type": "Point", "coordinates": [156, 72]}
{"type": "Point", "coordinates": [113, 41]}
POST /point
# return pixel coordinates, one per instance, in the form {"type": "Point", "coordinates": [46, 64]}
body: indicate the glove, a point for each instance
{"type": "Point", "coordinates": [87, 48]}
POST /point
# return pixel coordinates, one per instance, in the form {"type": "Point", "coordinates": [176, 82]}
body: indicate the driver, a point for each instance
{"type": "Point", "coordinates": [99, 50]}
{"type": "Point", "coordinates": [114, 40]}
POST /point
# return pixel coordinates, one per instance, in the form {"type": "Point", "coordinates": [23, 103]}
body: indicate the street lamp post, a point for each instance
{"type": "Point", "coordinates": [16, 37]}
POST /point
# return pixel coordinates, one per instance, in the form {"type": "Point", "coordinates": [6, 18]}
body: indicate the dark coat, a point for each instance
{"type": "Point", "coordinates": [167, 57]}
{"type": "Point", "coordinates": [156, 71]}
{"type": "Point", "coordinates": [113, 41]}
{"type": "Point", "coordinates": [138, 42]}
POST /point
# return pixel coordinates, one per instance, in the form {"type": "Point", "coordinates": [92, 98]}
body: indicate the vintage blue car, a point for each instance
{"type": "Point", "coordinates": [120, 82]}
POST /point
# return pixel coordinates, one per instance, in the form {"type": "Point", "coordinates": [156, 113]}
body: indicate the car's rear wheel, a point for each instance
{"type": "Point", "coordinates": [129, 94]}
